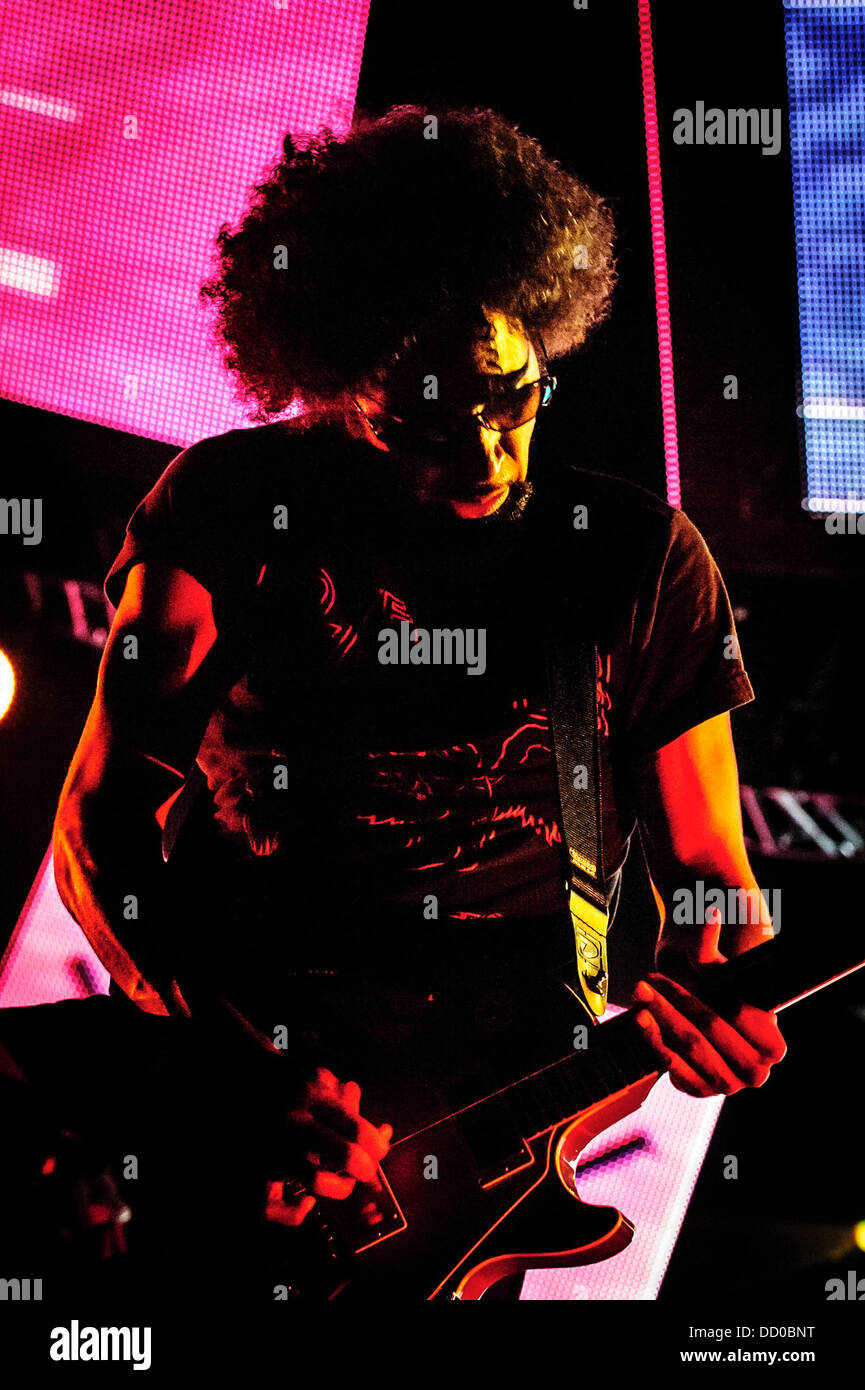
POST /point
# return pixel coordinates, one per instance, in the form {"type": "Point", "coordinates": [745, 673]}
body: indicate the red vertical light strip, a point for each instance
{"type": "Point", "coordinates": [659, 255]}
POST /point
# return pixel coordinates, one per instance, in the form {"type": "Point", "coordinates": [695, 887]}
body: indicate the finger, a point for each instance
{"type": "Point", "coordinates": [708, 941]}
{"type": "Point", "coordinates": [351, 1098]}
{"type": "Point", "coordinates": [736, 1048]}
{"type": "Point", "coordinates": [287, 1203]}
{"type": "Point", "coordinates": [339, 1156]}
{"type": "Point", "coordinates": [684, 949]}
{"type": "Point", "coordinates": [372, 1214]}
{"type": "Point", "coordinates": [330, 1110]}
{"type": "Point", "coordinates": [683, 1077]}
{"type": "Point", "coordinates": [291, 1213]}
{"type": "Point", "coordinates": [324, 1083]}
{"type": "Point", "coordinates": [327, 1078]}
{"type": "Point", "coordinates": [758, 1027]}
{"type": "Point", "coordinates": [326, 1184]}
{"type": "Point", "coordinates": [314, 1176]}
{"type": "Point", "coordinates": [353, 1128]}
{"type": "Point", "coordinates": [688, 1040]}
{"type": "Point", "coordinates": [308, 1139]}
{"type": "Point", "coordinates": [374, 1138]}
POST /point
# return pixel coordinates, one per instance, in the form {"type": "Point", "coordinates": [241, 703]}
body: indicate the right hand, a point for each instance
{"type": "Point", "coordinates": [328, 1147]}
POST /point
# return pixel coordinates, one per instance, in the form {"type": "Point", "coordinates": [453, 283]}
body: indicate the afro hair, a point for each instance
{"type": "Point", "coordinates": [351, 247]}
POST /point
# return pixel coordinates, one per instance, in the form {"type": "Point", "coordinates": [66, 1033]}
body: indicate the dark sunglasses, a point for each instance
{"type": "Point", "coordinates": [506, 408]}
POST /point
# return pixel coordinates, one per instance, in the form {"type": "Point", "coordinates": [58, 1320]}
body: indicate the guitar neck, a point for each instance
{"type": "Point", "coordinates": [617, 1055]}
{"type": "Point", "coordinates": [776, 975]}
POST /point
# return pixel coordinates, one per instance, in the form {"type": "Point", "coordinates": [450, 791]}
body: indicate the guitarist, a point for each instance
{"type": "Point", "coordinates": [332, 619]}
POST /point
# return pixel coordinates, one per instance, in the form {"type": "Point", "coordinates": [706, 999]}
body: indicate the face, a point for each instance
{"type": "Point", "coordinates": [471, 473]}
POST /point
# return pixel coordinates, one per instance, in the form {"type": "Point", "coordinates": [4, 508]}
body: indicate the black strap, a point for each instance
{"type": "Point", "coordinates": [572, 673]}
{"type": "Point", "coordinates": [569, 568]}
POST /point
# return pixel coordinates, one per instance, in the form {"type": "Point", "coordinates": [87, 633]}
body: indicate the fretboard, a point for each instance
{"type": "Point", "coordinates": [617, 1055]}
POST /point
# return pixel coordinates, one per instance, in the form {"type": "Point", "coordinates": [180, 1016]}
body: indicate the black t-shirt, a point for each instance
{"type": "Point", "coordinates": [419, 793]}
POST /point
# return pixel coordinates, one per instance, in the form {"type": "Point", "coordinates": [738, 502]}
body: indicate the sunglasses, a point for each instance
{"type": "Point", "coordinates": [506, 408]}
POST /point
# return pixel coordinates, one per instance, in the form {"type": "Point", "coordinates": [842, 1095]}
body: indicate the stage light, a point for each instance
{"type": "Point", "coordinates": [7, 683]}
{"type": "Point", "coordinates": [859, 1234]}
{"type": "Point", "coordinates": [30, 274]}
{"type": "Point", "coordinates": [38, 105]}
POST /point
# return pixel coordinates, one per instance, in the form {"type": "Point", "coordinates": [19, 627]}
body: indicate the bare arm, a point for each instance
{"type": "Point", "coordinates": [156, 684]}
{"type": "Point", "coordinates": [153, 698]}
{"type": "Point", "coordinates": [691, 825]}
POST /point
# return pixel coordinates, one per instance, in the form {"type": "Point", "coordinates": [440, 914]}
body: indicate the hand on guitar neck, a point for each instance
{"type": "Point", "coordinates": [706, 1054]}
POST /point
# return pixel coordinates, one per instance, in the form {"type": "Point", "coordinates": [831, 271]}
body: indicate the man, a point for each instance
{"type": "Point", "coordinates": [336, 618]}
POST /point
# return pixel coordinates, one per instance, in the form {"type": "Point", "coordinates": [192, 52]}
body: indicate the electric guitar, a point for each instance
{"type": "Point", "coordinates": [479, 1180]}
{"type": "Point", "coordinates": [485, 1188]}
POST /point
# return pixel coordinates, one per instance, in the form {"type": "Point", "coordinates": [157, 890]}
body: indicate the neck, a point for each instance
{"type": "Point", "coordinates": [438, 527]}
{"type": "Point", "coordinates": [617, 1055]}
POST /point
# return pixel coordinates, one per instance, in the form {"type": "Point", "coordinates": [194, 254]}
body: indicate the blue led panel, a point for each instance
{"type": "Point", "coordinates": [826, 80]}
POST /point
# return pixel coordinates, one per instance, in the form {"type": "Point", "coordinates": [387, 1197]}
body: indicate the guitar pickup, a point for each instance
{"type": "Point", "coordinates": [496, 1145]}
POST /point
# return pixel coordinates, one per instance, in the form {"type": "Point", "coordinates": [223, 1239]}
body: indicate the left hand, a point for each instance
{"type": "Point", "coordinates": [706, 1054]}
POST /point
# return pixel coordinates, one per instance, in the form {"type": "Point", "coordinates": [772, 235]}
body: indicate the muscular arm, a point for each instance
{"type": "Point", "coordinates": [153, 698]}
{"type": "Point", "coordinates": [691, 826]}
{"type": "Point", "coordinates": [157, 681]}
{"type": "Point", "coordinates": [152, 702]}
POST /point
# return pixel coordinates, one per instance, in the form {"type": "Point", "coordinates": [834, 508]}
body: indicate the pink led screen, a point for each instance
{"type": "Point", "coordinates": [129, 130]}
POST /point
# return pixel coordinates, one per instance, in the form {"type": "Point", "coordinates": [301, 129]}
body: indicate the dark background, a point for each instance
{"type": "Point", "coordinates": [572, 79]}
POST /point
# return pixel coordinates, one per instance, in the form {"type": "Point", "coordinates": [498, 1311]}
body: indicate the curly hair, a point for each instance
{"type": "Point", "coordinates": [350, 248]}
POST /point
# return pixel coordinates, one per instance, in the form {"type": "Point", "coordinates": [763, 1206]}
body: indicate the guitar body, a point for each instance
{"type": "Point", "coordinates": [456, 1234]}
{"type": "Point", "coordinates": [473, 1190]}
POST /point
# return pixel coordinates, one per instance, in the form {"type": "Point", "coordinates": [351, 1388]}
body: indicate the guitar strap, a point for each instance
{"type": "Point", "coordinates": [572, 667]}
{"type": "Point", "coordinates": [572, 670]}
